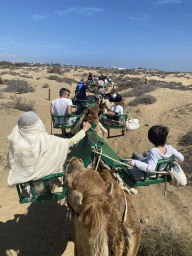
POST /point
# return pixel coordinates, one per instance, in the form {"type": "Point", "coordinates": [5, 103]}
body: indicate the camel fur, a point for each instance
{"type": "Point", "coordinates": [99, 204]}
{"type": "Point", "coordinates": [92, 115]}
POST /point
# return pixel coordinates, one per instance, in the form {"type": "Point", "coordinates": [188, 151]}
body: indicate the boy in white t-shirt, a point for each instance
{"type": "Point", "coordinates": [62, 106]}
{"type": "Point", "coordinates": [118, 110]}
{"type": "Point", "coordinates": [157, 135]}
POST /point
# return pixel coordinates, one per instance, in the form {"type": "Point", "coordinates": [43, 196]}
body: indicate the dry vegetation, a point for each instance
{"type": "Point", "coordinates": [55, 69]}
{"type": "Point", "coordinates": [164, 240]}
{"type": "Point", "coordinates": [1, 80]}
{"type": "Point", "coordinates": [18, 86]}
{"type": "Point", "coordinates": [45, 85]}
{"type": "Point", "coordinates": [21, 104]}
{"type": "Point", "coordinates": [145, 100]}
{"type": "Point", "coordinates": [159, 239]}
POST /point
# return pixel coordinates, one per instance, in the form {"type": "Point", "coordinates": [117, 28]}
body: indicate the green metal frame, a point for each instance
{"type": "Point", "coordinates": [57, 125]}
{"type": "Point", "coordinates": [114, 124]}
{"type": "Point", "coordinates": [85, 153]}
{"type": "Point", "coordinates": [47, 196]}
{"type": "Point", "coordinates": [87, 103]}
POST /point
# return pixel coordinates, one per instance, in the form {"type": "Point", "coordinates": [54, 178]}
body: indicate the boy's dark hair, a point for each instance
{"type": "Point", "coordinates": [158, 135]}
{"type": "Point", "coordinates": [62, 91]}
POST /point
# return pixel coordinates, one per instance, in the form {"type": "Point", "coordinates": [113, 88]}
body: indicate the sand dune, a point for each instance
{"type": "Point", "coordinates": [41, 228]}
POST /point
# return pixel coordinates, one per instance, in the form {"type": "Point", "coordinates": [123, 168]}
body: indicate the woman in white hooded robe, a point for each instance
{"type": "Point", "coordinates": [33, 153]}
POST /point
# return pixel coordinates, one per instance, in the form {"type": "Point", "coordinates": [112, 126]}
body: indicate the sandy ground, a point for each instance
{"type": "Point", "coordinates": [41, 228]}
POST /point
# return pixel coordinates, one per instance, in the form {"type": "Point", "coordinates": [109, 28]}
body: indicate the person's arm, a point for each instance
{"type": "Point", "coordinates": [80, 135]}
{"type": "Point", "coordinates": [69, 110]}
{"type": "Point", "coordinates": [89, 94]}
{"type": "Point", "coordinates": [177, 154]}
{"type": "Point", "coordinates": [51, 110]}
{"type": "Point", "coordinates": [111, 113]}
{"type": "Point", "coordinates": [114, 112]}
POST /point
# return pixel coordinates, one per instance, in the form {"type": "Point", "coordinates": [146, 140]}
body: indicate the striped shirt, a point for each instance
{"type": "Point", "coordinates": [76, 138]}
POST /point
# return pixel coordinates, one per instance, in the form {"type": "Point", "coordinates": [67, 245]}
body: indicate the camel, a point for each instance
{"type": "Point", "coordinates": [107, 105]}
{"type": "Point", "coordinates": [103, 224]}
{"type": "Point", "coordinates": [92, 115]}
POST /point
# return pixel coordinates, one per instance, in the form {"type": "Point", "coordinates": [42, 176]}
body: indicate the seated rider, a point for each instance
{"type": "Point", "coordinates": [80, 84]}
{"type": "Point", "coordinates": [83, 94]}
{"type": "Point", "coordinates": [118, 110]}
{"type": "Point", "coordinates": [33, 153]}
{"type": "Point", "coordinates": [62, 106]}
{"type": "Point", "coordinates": [157, 135]}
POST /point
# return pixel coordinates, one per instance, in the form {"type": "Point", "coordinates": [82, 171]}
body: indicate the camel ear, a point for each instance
{"type": "Point", "coordinates": [110, 189]}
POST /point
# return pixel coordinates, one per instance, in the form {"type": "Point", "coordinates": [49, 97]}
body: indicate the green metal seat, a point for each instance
{"type": "Point", "coordinates": [111, 122]}
{"type": "Point", "coordinates": [62, 121]}
{"type": "Point", "coordinates": [87, 103]}
{"type": "Point", "coordinates": [48, 196]}
{"type": "Point", "coordinates": [92, 140]}
{"type": "Point", "coordinates": [85, 150]}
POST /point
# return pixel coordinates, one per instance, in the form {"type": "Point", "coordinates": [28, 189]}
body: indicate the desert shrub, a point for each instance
{"type": "Point", "coordinates": [139, 90]}
{"type": "Point", "coordinates": [14, 73]}
{"type": "Point", "coordinates": [62, 80]}
{"type": "Point", "coordinates": [38, 78]}
{"type": "Point", "coordinates": [4, 73]}
{"type": "Point", "coordinates": [67, 70]}
{"type": "Point", "coordinates": [69, 80]}
{"type": "Point", "coordinates": [1, 96]}
{"type": "Point", "coordinates": [164, 241]}
{"type": "Point", "coordinates": [19, 86]}
{"type": "Point", "coordinates": [1, 80]}
{"type": "Point", "coordinates": [21, 104]}
{"type": "Point", "coordinates": [55, 69]}
{"type": "Point", "coordinates": [25, 76]}
{"type": "Point", "coordinates": [45, 85]}
{"type": "Point", "coordinates": [186, 140]}
{"type": "Point", "coordinates": [84, 75]}
{"type": "Point", "coordinates": [55, 77]}
{"type": "Point", "coordinates": [126, 71]}
{"type": "Point", "coordinates": [144, 100]}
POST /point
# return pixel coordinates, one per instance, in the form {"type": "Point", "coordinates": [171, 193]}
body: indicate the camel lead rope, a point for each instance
{"type": "Point", "coordinates": [126, 208]}
{"type": "Point", "coordinates": [165, 192]}
{"type": "Point", "coordinates": [99, 158]}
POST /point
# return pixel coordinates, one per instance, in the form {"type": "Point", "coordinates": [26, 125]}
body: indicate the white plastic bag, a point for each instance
{"type": "Point", "coordinates": [132, 124]}
{"type": "Point", "coordinates": [178, 177]}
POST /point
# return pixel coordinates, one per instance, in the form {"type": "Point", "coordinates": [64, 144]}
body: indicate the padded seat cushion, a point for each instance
{"type": "Point", "coordinates": [139, 175]}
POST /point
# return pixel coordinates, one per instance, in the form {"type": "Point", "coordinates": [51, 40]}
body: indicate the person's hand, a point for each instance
{"type": "Point", "coordinates": [129, 162]}
{"type": "Point", "coordinates": [86, 126]}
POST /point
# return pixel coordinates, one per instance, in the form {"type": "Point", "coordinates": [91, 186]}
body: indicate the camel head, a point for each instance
{"type": "Point", "coordinates": [83, 184]}
{"type": "Point", "coordinates": [93, 114]}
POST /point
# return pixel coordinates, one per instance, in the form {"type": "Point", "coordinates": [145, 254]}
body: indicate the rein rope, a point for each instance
{"type": "Point", "coordinates": [127, 165]}
{"type": "Point", "coordinates": [119, 182]}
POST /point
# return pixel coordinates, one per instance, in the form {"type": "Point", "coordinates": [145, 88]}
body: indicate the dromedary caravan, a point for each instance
{"type": "Point", "coordinates": [106, 222]}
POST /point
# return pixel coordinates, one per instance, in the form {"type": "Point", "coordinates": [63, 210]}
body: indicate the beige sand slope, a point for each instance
{"type": "Point", "coordinates": [41, 228]}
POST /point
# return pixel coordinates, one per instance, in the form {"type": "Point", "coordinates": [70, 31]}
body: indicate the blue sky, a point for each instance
{"type": "Point", "coordinates": [153, 34]}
